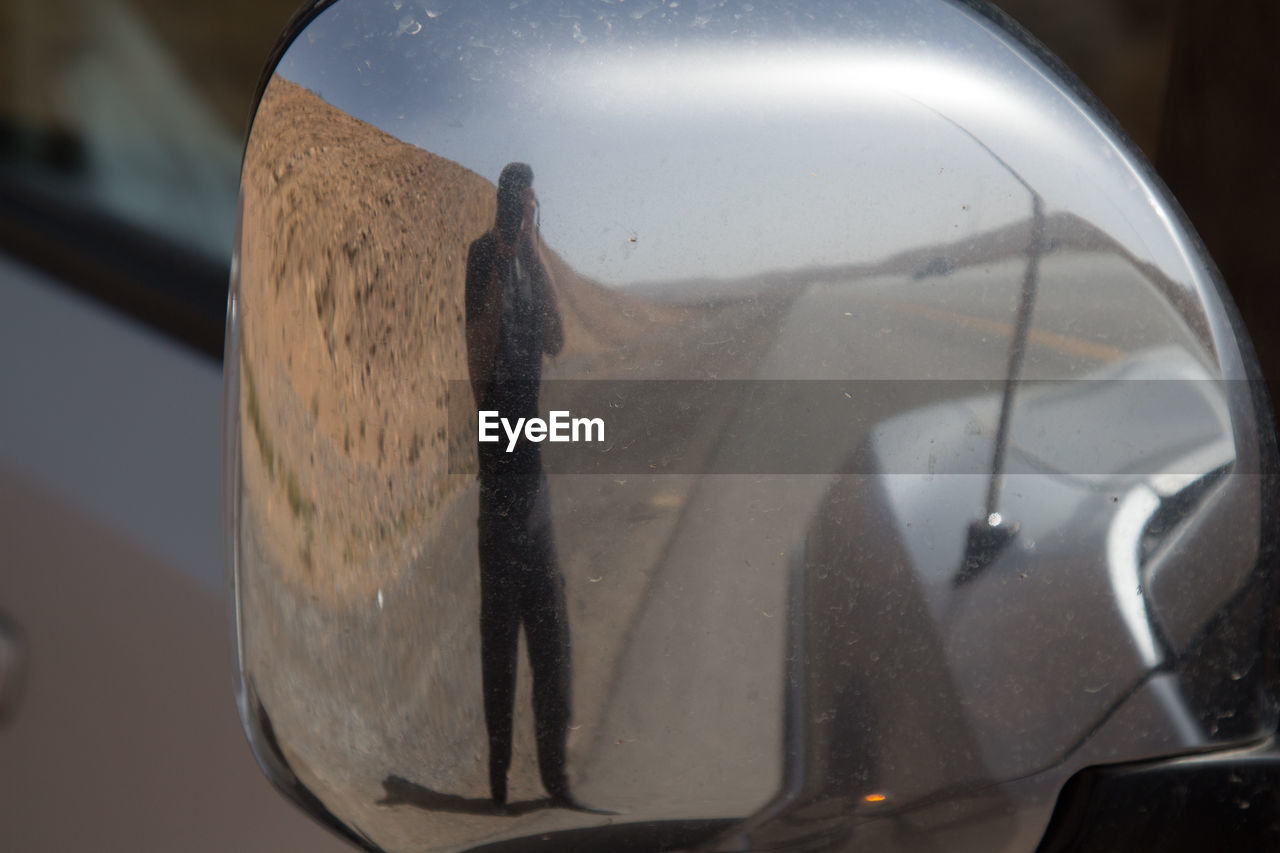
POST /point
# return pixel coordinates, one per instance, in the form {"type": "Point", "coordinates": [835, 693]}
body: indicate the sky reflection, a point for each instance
{"type": "Point", "coordinates": [666, 149]}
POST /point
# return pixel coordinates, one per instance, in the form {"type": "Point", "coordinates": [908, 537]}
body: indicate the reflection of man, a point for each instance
{"type": "Point", "coordinates": [512, 320]}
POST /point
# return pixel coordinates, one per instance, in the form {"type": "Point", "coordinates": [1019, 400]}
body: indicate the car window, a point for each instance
{"type": "Point", "coordinates": [121, 127]}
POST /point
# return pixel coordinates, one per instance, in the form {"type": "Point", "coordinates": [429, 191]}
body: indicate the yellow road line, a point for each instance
{"type": "Point", "coordinates": [1064, 344]}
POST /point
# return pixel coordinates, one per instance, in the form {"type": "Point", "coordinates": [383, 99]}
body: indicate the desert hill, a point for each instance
{"type": "Point", "coordinates": [353, 264]}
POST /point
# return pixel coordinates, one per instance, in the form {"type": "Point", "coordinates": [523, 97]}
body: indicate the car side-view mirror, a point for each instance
{"type": "Point", "coordinates": [727, 426]}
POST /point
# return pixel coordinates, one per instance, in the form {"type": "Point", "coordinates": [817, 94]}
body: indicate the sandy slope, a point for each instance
{"type": "Point", "coordinates": [353, 265]}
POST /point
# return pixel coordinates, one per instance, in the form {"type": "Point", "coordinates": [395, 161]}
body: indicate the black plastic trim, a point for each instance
{"type": "Point", "coordinates": [1228, 802]}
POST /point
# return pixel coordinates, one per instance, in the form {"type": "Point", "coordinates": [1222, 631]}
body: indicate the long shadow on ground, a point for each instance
{"type": "Point", "coordinates": [398, 791]}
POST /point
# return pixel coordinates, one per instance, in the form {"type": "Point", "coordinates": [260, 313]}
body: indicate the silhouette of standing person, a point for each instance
{"type": "Point", "coordinates": [512, 319]}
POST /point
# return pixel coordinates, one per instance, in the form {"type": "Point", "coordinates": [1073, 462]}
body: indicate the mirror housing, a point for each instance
{"type": "Point", "coordinates": [931, 466]}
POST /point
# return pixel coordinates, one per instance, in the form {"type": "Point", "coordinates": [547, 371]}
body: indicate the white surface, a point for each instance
{"type": "Point", "coordinates": [113, 418]}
